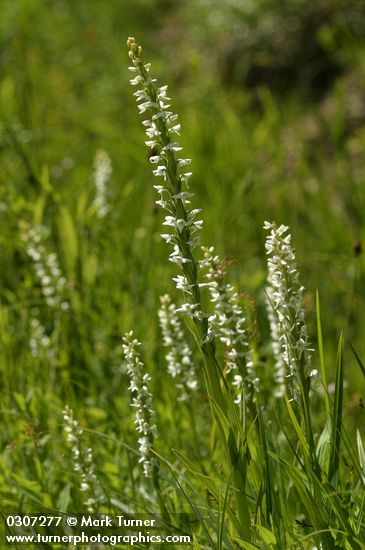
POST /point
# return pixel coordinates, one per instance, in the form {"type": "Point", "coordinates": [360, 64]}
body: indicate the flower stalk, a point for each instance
{"type": "Point", "coordinates": [142, 403]}
{"type": "Point", "coordinates": [291, 346]}
{"type": "Point", "coordinates": [228, 325]}
{"type": "Point", "coordinates": [102, 174]}
{"type": "Point", "coordinates": [46, 266]}
{"type": "Point", "coordinates": [144, 414]}
{"type": "Point", "coordinates": [179, 357]}
{"type": "Point", "coordinates": [83, 462]}
{"type": "Point", "coordinates": [162, 129]}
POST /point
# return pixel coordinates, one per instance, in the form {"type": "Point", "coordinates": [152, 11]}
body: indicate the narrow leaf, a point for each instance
{"type": "Point", "coordinates": [69, 240]}
{"type": "Point", "coordinates": [337, 415]}
{"type": "Point", "coordinates": [361, 452]}
{"type": "Point", "coordinates": [359, 362]}
{"type": "Point", "coordinates": [321, 355]}
{"type": "Point", "coordinates": [297, 428]}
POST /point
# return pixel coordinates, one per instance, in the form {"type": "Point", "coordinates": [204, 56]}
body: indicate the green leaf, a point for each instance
{"type": "Point", "coordinates": [27, 485]}
{"type": "Point", "coordinates": [334, 460]}
{"type": "Point", "coordinates": [321, 355]}
{"type": "Point", "coordinates": [196, 545]}
{"type": "Point", "coordinates": [38, 467]}
{"type": "Point", "coordinates": [190, 502]}
{"type": "Point", "coordinates": [245, 544]}
{"type": "Point", "coordinates": [361, 451]}
{"type": "Point", "coordinates": [68, 238]}
{"type": "Point", "coordinates": [64, 499]}
{"type": "Point", "coordinates": [324, 446]}
{"type": "Point", "coordinates": [266, 482]}
{"type": "Point", "coordinates": [222, 514]}
{"type": "Point", "coordinates": [120, 505]}
{"type": "Point", "coordinates": [267, 536]}
{"type": "Point", "coordinates": [297, 428]}
{"type": "Point", "coordinates": [81, 207]}
{"type": "Point", "coordinates": [89, 269]}
{"type": "Point", "coordinates": [313, 505]}
{"type": "Point", "coordinates": [209, 481]}
{"type": "Point", "coordinates": [38, 209]}
{"type": "Point", "coordinates": [359, 362]}
{"type": "Point", "coordinates": [109, 468]}
{"type": "Point", "coordinates": [222, 422]}
{"type": "Point", "coordinates": [20, 401]}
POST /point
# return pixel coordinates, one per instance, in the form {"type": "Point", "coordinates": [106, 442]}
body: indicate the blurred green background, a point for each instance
{"type": "Point", "coordinates": [271, 99]}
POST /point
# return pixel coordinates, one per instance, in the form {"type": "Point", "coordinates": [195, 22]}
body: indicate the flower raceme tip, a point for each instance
{"type": "Point", "coordinates": [161, 128]}
{"type": "Point", "coordinates": [291, 346]}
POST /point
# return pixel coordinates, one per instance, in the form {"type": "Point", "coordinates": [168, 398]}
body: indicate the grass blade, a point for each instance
{"type": "Point", "coordinates": [361, 451]}
{"type": "Point", "coordinates": [223, 515]}
{"type": "Point", "coordinates": [337, 415]}
{"type": "Point", "coordinates": [298, 429]}
{"type": "Point", "coordinates": [359, 362]}
{"type": "Point", "coordinates": [321, 355]}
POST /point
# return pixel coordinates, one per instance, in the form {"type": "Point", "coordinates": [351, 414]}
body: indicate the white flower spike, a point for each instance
{"type": "Point", "coordinates": [141, 401]}
{"type": "Point", "coordinates": [291, 347]}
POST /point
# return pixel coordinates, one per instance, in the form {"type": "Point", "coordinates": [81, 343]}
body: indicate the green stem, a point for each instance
{"type": "Point", "coordinates": [235, 458]}
{"type": "Point", "coordinates": [212, 373]}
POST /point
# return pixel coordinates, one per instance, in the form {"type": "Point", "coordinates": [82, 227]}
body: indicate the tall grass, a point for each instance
{"type": "Point", "coordinates": [240, 443]}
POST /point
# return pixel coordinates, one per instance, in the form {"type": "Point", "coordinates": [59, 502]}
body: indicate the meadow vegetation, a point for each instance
{"type": "Point", "coordinates": [247, 425]}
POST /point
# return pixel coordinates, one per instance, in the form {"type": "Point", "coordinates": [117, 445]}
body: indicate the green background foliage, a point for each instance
{"type": "Point", "coordinates": [271, 100]}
